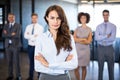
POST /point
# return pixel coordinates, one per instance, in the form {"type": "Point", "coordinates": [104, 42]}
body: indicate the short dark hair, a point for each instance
{"type": "Point", "coordinates": [83, 14]}
{"type": "Point", "coordinates": [34, 14]}
{"type": "Point", "coordinates": [106, 11]}
{"type": "Point", "coordinates": [11, 14]}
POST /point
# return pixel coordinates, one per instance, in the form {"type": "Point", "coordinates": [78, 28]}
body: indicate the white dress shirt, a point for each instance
{"type": "Point", "coordinates": [38, 30]}
{"type": "Point", "coordinates": [45, 45]}
{"type": "Point", "coordinates": [101, 36]}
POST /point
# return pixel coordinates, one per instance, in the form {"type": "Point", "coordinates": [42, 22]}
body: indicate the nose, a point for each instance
{"type": "Point", "coordinates": [55, 20]}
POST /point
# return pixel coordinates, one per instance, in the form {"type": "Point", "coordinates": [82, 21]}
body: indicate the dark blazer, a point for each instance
{"type": "Point", "coordinates": [16, 39]}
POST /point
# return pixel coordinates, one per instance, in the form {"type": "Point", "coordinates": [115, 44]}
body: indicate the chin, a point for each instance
{"type": "Point", "coordinates": [56, 27]}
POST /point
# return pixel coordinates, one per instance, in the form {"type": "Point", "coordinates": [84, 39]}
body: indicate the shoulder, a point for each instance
{"type": "Point", "coordinates": [39, 25]}
{"type": "Point", "coordinates": [99, 25]}
{"type": "Point", "coordinates": [89, 28]}
{"type": "Point", "coordinates": [17, 24]}
{"type": "Point", "coordinates": [6, 25]}
{"type": "Point", "coordinates": [41, 38]}
{"type": "Point", "coordinates": [29, 26]}
{"type": "Point", "coordinates": [43, 35]}
{"type": "Point", "coordinates": [113, 25]}
{"type": "Point", "coordinates": [78, 28]}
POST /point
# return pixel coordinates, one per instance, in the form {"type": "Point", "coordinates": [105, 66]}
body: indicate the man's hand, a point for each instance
{"type": "Point", "coordinates": [108, 35]}
{"type": "Point", "coordinates": [42, 60]}
{"type": "Point", "coordinates": [69, 57]}
{"type": "Point", "coordinates": [13, 33]}
{"type": "Point", "coordinates": [5, 32]}
{"type": "Point", "coordinates": [27, 33]}
{"type": "Point", "coordinates": [35, 35]}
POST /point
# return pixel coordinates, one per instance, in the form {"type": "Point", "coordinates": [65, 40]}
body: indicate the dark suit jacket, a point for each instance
{"type": "Point", "coordinates": [16, 39]}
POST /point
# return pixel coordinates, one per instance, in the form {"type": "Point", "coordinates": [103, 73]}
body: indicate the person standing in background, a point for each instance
{"type": "Point", "coordinates": [31, 33]}
{"type": "Point", "coordinates": [12, 35]}
{"type": "Point", "coordinates": [83, 38]}
{"type": "Point", "coordinates": [105, 35]}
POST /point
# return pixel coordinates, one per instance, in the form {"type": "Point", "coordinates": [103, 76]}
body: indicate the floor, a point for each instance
{"type": "Point", "coordinates": [92, 69]}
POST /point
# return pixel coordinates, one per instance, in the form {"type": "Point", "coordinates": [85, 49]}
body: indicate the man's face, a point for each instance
{"type": "Point", "coordinates": [34, 19]}
{"type": "Point", "coordinates": [106, 16]}
{"type": "Point", "coordinates": [11, 18]}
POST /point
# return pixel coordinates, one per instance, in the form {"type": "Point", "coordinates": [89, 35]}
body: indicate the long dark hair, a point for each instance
{"type": "Point", "coordinates": [63, 39]}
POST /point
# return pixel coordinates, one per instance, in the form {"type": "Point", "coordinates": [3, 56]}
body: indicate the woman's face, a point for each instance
{"type": "Point", "coordinates": [53, 20]}
{"type": "Point", "coordinates": [83, 19]}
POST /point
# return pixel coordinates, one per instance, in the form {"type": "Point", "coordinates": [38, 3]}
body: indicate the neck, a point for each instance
{"type": "Point", "coordinates": [54, 32]}
{"type": "Point", "coordinates": [34, 22]}
{"type": "Point", "coordinates": [12, 22]}
{"type": "Point", "coordinates": [84, 25]}
{"type": "Point", "coordinates": [106, 21]}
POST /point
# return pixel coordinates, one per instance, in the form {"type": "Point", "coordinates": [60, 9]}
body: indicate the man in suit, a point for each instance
{"type": "Point", "coordinates": [11, 33]}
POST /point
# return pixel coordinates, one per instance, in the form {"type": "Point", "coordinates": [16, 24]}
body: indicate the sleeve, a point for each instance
{"type": "Point", "coordinates": [18, 31]}
{"type": "Point", "coordinates": [8, 34]}
{"type": "Point", "coordinates": [27, 34]}
{"type": "Point", "coordinates": [113, 35]}
{"type": "Point", "coordinates": [38, 49]}
{"type": "Point", "coordinates": [3, 34]}
{"type": "Point", "coordinates": [67, 65]}
{"type": "Point", "coordinates": [99, 37]}
{"type": "Point", "coordinates": [38, 45]}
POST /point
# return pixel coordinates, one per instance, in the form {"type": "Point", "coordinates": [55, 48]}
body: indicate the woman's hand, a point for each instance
{"type": "Point", "coordinates": [43, 61]}
{"type": "Point", "coordinates": [69, 57]}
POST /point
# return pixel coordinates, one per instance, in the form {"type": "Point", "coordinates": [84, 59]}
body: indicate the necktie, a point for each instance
{"type": "Point", "coordinates": [33, 30]}
{"type": "Point", "coordinates": [10, 27]}
{"type": "Point", "coordinates": [105, 28]}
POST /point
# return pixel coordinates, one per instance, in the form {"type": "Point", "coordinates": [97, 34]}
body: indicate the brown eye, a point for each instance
{"type": "Point", "coordinates": [51, 17]}
{"type": "Point", "coordinates": [58, 18]}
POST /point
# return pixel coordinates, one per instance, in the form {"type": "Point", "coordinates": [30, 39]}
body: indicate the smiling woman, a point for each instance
{"type": "Point", "coordinates": [55, 51]}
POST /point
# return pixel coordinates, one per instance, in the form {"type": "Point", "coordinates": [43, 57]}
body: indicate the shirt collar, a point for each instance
{"type": "Point", "coordinates": [105, 22]}
{"type": "Point", "coordinates": [12, 23]}
{"type": "Point", "coordinates": [34, 24]}
{"type": "Point", "coordinates": [48, 33]}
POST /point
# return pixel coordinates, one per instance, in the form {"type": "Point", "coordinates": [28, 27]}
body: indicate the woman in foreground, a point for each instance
{"type": "Point", "coordinates": [55, 51]}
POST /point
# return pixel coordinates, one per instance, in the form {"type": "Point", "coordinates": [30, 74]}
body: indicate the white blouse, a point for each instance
{"type": "Point", "coordinates": [57, 65]}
